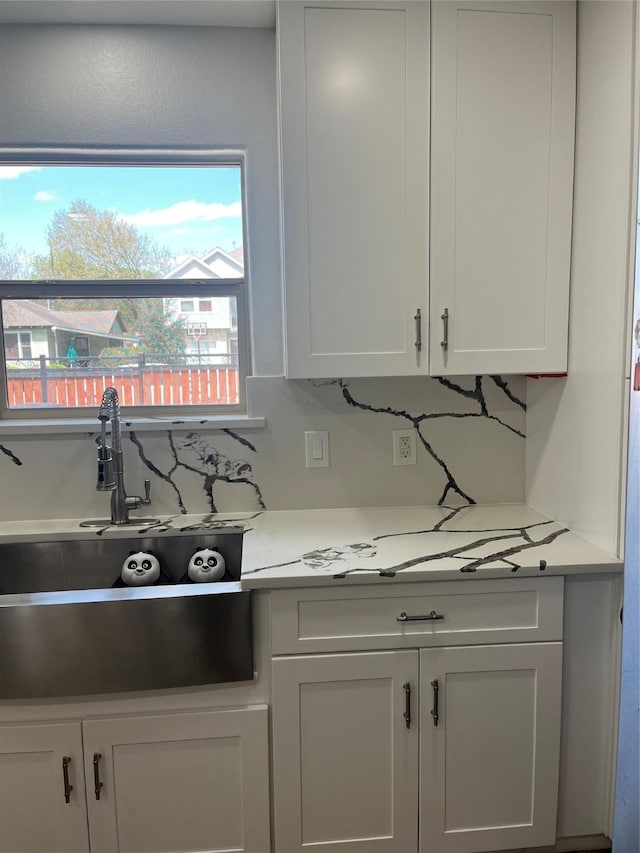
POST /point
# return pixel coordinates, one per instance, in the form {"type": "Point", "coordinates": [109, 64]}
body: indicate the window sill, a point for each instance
{"type": "Point", "coordinates": [140, 424]}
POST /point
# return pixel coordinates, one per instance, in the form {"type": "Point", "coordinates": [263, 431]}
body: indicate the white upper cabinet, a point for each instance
{"type": "Point", "coordinates": [364, 90]}
{"type": "Point", "coordinates": [354, 115]}
{"type": "Point", "coordinates": [502, 143]}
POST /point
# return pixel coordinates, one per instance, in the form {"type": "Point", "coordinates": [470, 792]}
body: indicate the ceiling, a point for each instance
{"type": "Point", "coordinates": [214, 13]}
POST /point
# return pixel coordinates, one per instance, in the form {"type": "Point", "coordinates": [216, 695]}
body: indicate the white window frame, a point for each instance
{"type": "Point", "coordinates": [160, 288]}
{"type": "Point", "coordinates": [21, 345]}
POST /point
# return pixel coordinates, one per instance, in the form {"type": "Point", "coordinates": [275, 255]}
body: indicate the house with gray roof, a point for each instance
{"type": "Point", "coordinates": [32, 329]}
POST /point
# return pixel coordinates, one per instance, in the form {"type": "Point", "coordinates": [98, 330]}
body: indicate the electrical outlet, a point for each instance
{"type": "Point", "coordinates": [404, 447]}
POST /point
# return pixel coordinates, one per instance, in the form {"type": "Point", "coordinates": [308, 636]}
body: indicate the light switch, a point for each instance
{"type": "Point", "coordinates": [317, 448]}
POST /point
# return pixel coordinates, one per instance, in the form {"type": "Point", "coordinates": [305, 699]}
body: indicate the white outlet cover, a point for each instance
{"type": "Point", "coordinates": [404, 447]}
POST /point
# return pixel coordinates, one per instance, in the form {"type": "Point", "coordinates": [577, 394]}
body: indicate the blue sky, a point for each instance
{"type": "Point", "coordinates": [190, 210]}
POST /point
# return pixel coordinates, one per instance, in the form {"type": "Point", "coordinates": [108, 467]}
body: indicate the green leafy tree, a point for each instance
{"type": "Point", "coordinates": [87, 244]}
{"type": "Point", "coordinates": [164, 332]}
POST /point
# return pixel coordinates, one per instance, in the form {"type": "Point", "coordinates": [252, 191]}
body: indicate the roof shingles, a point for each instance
{"type": "Point", "coordinates": [22, 314]}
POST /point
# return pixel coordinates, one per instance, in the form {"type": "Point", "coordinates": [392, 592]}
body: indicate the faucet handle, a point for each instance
{"type": "Point", "coordinates": [146, 500]}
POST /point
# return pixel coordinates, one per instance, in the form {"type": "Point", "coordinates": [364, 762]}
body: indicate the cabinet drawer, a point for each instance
{"type": "Point", "coordinates": [492, 611]}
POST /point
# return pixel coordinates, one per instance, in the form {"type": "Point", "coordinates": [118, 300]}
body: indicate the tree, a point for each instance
{"type": "Point", "coordinates": [87, 244]}
{"type": "Point", "coordinates": [15, 264]}
{"type": "Point", "coordinates": [164, 332]}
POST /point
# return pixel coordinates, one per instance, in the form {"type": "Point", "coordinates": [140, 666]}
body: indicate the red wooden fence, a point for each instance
{"type": "Point", "coordinates": [157, 386]}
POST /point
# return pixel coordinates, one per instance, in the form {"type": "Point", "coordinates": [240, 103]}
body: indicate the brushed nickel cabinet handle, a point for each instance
{"type": "Point", "coordinates": [66, 761]}
{"type": "Point", "coordinates": [407, 704]}
{"type": "Point", "coordinates": [418, 318]}
{"type": "Point", "coordinates": [96, 774]}
{"type": "Point", "coordinates": [444, 343]}
{"type": "Point", "coordinates": [434, 710]}
{"type": "Point", "coordinates": [429, 617]}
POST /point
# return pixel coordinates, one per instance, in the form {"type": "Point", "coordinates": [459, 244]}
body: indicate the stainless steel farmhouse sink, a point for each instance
{"type": "Point", "coordinates": [66, 630]}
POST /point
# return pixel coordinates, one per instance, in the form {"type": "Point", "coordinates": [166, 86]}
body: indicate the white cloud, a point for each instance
{"type": "Point", "coordinates": [45, 195]}
{"type": "Point", "coordinates": [185, 211]}
{"type": "Point", "coordinates": [7, 173]}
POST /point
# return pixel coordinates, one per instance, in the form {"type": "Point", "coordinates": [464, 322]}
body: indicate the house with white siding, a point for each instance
{"type": "Point", "coordinates": [211, 321]}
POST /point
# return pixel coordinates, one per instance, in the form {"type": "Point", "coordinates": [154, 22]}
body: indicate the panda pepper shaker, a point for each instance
{"type": "Point", "coordinates": [206, 565]}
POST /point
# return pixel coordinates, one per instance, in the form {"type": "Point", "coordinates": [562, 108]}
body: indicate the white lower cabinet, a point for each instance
{"type": "Point", "coordinates": [489, 768]}
{"type": "Point", "coordinates": [369, 756]}
{"type": "Point", "coordinates": [178, 783]}
{"type": "Point", "coordinates": [345, 762]}
{"type": "Point", "coordinates": [154, 784]}
{"type": "Point", "coordinates": [34, 813]}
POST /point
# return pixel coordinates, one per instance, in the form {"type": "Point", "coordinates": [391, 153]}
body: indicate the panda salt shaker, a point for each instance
{"type": "Point", "coordinates": [141, 568]}
{"type": "Point", "coordinates": [206, 565]}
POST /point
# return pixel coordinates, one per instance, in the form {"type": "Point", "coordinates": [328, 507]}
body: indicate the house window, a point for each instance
{"type": "Point", "coordinates": [18, 345]}
{"type": "Point", "coordinates": [109, 260]}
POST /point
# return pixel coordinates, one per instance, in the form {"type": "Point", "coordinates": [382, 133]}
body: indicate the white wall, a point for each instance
{"type": "Point", "coordinates": [575, 426]}
{"type": "Point", "coordinates": [159, 87]}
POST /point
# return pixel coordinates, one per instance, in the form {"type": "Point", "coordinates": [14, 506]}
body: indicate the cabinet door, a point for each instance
{"type": "Point", "coordinates": [34, 814]}
{"type": "Point", "coordinates": [489, 769]}
{"type": "Point", "coordinates": [503, 112]}
{"type": "Point", "coordinates": [345, 764]}
{"type": "Point", "coordinates": [180, 782]}
{"type": "Point", "coordinates": [354, 113]}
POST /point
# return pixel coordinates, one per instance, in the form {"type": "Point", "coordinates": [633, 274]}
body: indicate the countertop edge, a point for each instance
{"type": "Point", "coordinates": [373, 578]}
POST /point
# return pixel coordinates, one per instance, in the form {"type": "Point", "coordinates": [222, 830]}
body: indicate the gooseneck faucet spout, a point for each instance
{"type": "Point", "coordinates": [111, 464]}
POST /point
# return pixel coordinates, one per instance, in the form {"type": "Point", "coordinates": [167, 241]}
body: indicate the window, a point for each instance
{"type": "Point", "coordinates": [108, 262]}
{"type": "Point", "coordinates": [18, 345]}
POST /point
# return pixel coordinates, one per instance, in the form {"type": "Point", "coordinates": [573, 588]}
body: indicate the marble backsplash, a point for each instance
{"type": "Point", "coordinates": [470, 450]}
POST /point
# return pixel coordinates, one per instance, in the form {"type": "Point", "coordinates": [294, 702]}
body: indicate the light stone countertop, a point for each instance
{"type": "Point", "coordinates": [373, 545]}
{"type": "Point", "coordinates": [330, 546]}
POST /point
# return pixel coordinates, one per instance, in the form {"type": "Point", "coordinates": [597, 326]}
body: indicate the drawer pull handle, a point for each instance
{"type": "Point", "coordinates": [407, 704]}
{"type": "Point", "coordinates": [96, 774]}
{"type": "Point", "coordinates": [434, 710]}
{"type": "Point", "coordinates": [430, 617]}
{"type": "Point", "coordinates": [66, 761]}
